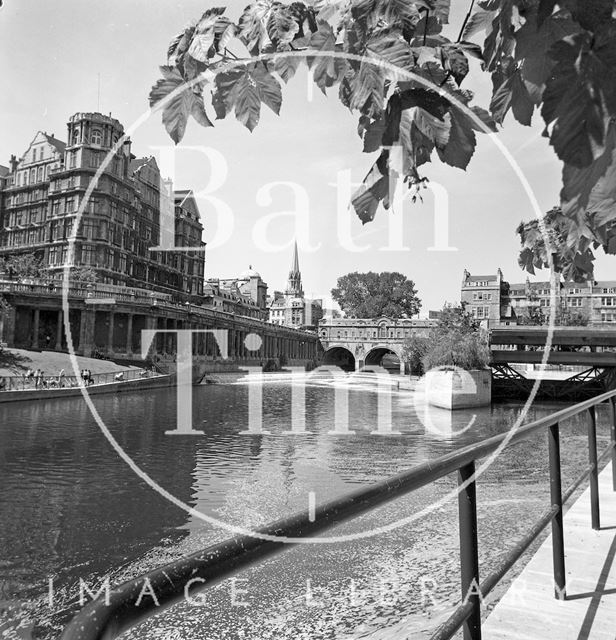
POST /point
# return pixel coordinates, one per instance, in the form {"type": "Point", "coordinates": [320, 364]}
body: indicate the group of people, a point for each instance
{"type": "Point", "coordinates": [35, 378]}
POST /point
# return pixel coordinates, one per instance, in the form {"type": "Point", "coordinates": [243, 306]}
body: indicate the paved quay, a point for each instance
{"type": "Point", "coordinates": [529, 610]}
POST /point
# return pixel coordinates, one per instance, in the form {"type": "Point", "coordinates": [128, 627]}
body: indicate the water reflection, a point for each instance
{"type": "Point", "coordinates": [70, 508]}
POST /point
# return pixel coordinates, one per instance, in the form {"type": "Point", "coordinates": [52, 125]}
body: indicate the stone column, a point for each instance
{"type": "Point", "coordinates": [7, 326]}
{"type": "Point", "coordinates": [110, 332]}
{"type": "Point", "coordinates": [59, 330]}
{"type": "Point", "coordinates": [35, 329]}
{"type": "Point", "coordinates": [86, 331]}
{"type": "Point", "coordinates": [129, 334]}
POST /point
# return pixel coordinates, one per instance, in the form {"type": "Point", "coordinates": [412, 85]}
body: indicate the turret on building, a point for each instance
{"type": "Point", "coordinates": [120, 224]}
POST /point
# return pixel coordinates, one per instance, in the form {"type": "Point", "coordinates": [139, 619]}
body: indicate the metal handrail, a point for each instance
{"type": "Point", "coordinates": [106, 618]}
{"type": "Point", "coordinates": [45, 382]}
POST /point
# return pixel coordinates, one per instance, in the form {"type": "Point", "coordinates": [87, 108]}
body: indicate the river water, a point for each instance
{"type": "Point", "coordinates": [71, 509]}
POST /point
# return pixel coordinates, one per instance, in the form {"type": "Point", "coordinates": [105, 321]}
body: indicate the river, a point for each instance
{"type": "Point", "coordinates": [71, 509]}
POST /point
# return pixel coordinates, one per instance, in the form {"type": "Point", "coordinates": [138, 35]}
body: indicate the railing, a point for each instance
{"type": "Point", "coordinates": [125, 606]}
{"type": "Point", "coordinates": [142, 297]}
{"type": "Point", "coordinates": [39, 383]}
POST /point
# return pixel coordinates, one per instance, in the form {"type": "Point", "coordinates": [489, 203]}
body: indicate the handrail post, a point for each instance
{"type": "Point", "coordinates": [556, 496]}
{"type": "Point", "coordinates": [613, 439]}
{"type": "Point", "coordinates": [469, 555]}
{"type": "Point", "coordinates": [594, 471]}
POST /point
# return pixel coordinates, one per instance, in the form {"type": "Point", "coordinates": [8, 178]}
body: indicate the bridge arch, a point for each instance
{"type": "Point", "coordinates": [388, 357]}
{"type": "Point", "coordinates": [340, 357]}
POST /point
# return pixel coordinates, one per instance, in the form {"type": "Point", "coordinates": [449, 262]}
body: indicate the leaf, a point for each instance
{"type": "Point", "coordinates": [533, 45]}
{"type": "Point", "coordinates": [455, 62]}
{"type": "Point", "coordinates": [179, 45]}
{"type": "Point", "coordinates": [480, 20]}
{"type": "Point", "coordinates": [243, 90]}
{"type": "Point", "coordinates": [593, 14]}
{"type": "Point", "coordinates": [461, 142]}
{"type": "Point", "coordinates": [572, 100]}
{"type": "Point", "coordinates": [178, 108]}
{"type": "Point", "coordinates": [281, 25]}
{"type": "Point", "coordinates": [546, 7]}
{"type": "Point", "coordinates": [579, 182]}
{"type": "Point", "coordinates": [394, 49]}
{"type": "Point", "coordinates": [367, 89]}
{"type": "Point", "coordinates": [286, 65]}
{"type": "Point", "coordinates": [403, 14]}
{"type": "Point", "coordinates": [201, 45]}
{"type": "Point", "coordinates": [373, 190]}
{"type": "Point", "coordinates": [326, 70]}
{"type": "Point", "coordinates": [512, 94]}
{"type": "Point", "coordinates": [441, 10]}
{"type": "Point", "coordinates": [252, 25]}
{"type": "Point", "coordinates": [224, 32]}
{"type": "Point", "coordinates": [485, 117]}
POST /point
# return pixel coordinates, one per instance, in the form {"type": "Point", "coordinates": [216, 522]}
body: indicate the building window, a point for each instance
{"type": "Point", "coordinates": [76, 136]}
{"type": "Point", "coordinates": [96, 137]}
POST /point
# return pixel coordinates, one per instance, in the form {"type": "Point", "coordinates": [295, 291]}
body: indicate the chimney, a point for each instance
{"type": "Point", "coordinates": [13, 162]}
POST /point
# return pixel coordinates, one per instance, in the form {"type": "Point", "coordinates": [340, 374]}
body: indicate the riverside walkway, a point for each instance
{"type": "Point", "coordinates": [529, 609]}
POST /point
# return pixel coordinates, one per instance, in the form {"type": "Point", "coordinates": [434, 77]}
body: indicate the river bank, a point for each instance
{"type": "Point", "coordinates": [15, 362]}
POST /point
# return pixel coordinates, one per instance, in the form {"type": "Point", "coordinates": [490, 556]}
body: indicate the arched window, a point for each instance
{"type": "Point", "coordinates": [32, 176]}
{"type": "Point", "coordinates": [40, 174]}
{"type": "Point", "coordinates": [96, 137]}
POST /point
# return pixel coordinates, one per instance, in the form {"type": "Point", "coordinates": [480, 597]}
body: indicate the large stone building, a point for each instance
{"type": "Point", "coordinates": [245, 295]}
{"type": "Point", "coordinates": [497, 303]}
{"type": "Point", "coordinates": [130, 216]}
{"type": "Point", "coordinates": [291, 308]}
{"type": "Point", "coordinates": [121, 221]}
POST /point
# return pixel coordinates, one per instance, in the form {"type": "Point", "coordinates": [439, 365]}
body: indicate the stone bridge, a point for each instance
{"type": "Point", "coordinates": [355, 343]}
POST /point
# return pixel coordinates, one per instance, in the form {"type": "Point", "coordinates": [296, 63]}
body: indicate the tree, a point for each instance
{"type": "Point", "coordinates": [563, 317]}
{"type": "Point", "coordinates": [550, 58]}
{"type": "Point", "coordinates": [533, 315]}
{"type": "Point", "coordinates": [23, 265]}
{"type": "Point", "coordinates": [456, 341]}
{"type": "Point", "coordinates": [83, 274]}
{"type": "Point", "coordinates": [371, 295]}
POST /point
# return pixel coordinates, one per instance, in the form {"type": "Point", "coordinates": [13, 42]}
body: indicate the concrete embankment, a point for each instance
{"type": "Point", "coordinates": [140, 384]}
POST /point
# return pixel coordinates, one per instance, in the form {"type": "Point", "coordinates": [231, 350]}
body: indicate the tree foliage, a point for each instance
{"type": "Point", "coordinates": [83, 274]}
{"type": "Point", "coordinates": [23, 265]}
{"type": "Point", "coordinates": [546, 58]}
{"type": "Point", "coordinates": [563, 317]}
{"type": "Point", "coordinates": [371, 295]}
{"type": "Point", "coordinates": [456, 341]}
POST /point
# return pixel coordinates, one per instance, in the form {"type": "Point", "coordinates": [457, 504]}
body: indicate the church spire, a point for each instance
{"type": "Point", "coordinates": [294, 285]}
{"type": "Point", "coordinates": [295, 263]}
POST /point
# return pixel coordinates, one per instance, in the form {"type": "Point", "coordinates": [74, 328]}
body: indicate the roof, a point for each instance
{"type": "Point", "coordinates": [4, 171]}
{"type": "Point", "coordinates": [137, 163]}
{"type": "Point", "coordinates": [54, 142]}
{"type": "Point", "coordinates": [481, 278]}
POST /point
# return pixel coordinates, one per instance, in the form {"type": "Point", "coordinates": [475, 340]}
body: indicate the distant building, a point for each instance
{"type": "Point", "coordinates": [244, 296]}
{"type": "Point", "coordinates": [120, 224]}
{"type": "Point", "coordinates": [291, 308]}
{"type": "Point", "coordinates": [497, 303]}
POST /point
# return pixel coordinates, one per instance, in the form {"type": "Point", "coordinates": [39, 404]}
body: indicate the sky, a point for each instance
{"type": "Point", "coordinates": [58, 57]}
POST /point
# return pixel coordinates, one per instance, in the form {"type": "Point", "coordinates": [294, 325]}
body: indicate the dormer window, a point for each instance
{"type": "Point", "coordinates": [96, 137]}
